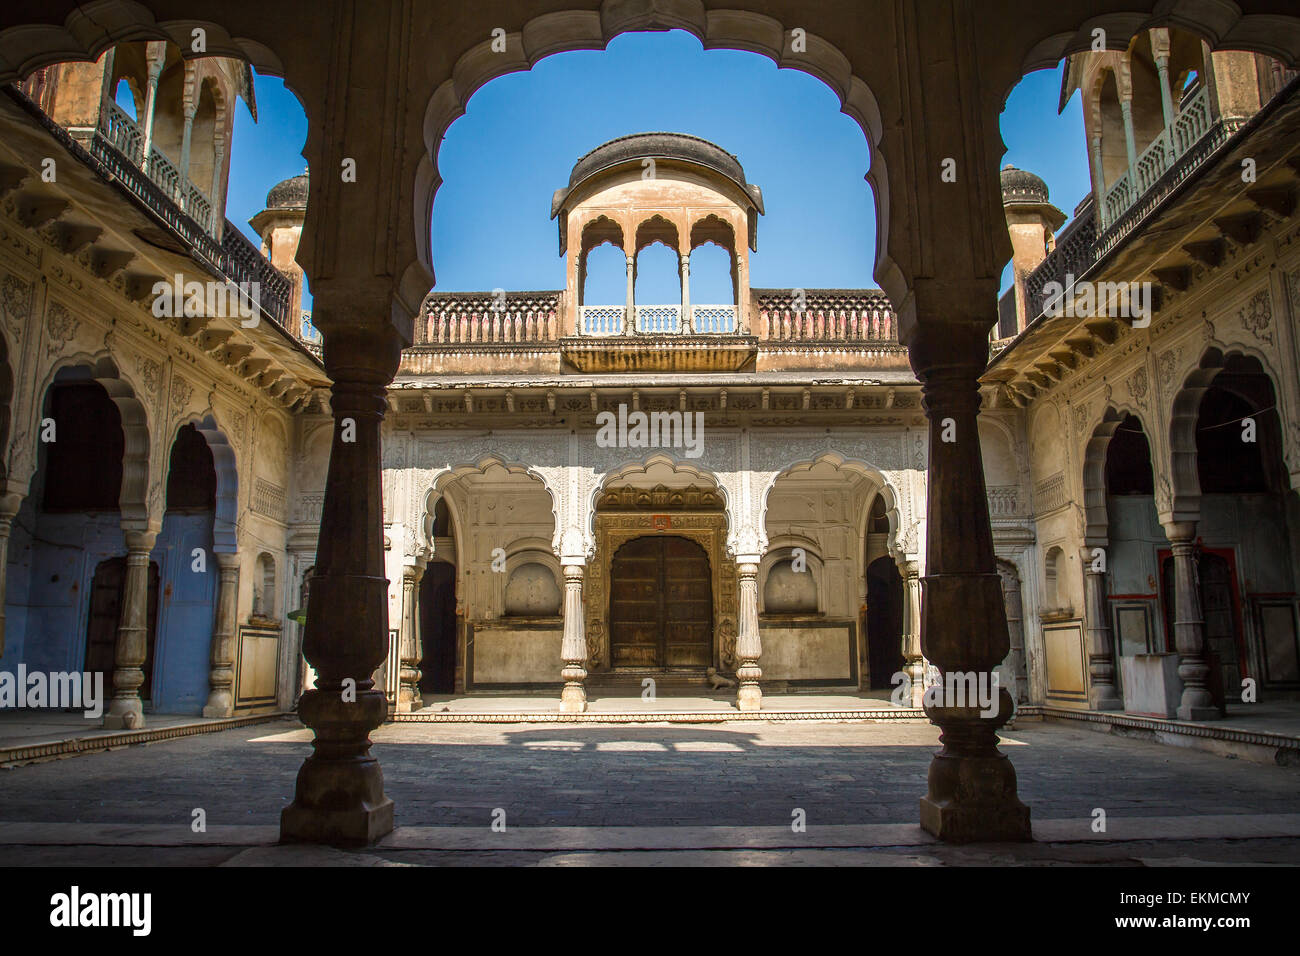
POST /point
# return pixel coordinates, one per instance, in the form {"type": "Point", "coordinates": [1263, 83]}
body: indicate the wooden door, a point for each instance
{"type": "Point", "coordinates": [661, 604]}
{"type": "Point", "coordinates": [106, 592]}
{"type": "Point", "coordinates": [105, 615]}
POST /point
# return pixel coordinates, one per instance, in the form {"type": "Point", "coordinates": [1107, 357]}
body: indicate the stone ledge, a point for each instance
{"type": "Point", "coordinates": [75, 746]}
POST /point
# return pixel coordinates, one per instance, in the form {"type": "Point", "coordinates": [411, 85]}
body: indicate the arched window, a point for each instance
{"type": "Point", "coordinates": [441, 519]}
{"type": "Point", "coordinates": [264, 588]}
{"type": "Point", "coordinates": [1054, 578]}
{"type": "Point", "coordinates": [83, 462]}
{"type": "Point", "coordinates": [790, 588]}
{"type": "Point", "coordinates": [878, 520]}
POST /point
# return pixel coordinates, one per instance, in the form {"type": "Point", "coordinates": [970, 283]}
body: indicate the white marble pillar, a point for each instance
{"type": "Point", "coordinates": [408, 693]}
{"type": "Point", "coordinates": [629, 320]}
{"type": "Point", "coordinates": [1189, 625]}
{"type": "Point", "coordinates": [913, 660]}
{"type": "Point", "coordinates": [9, 505]}
{"type": "Point", "coordinates": [1102, 694]}
{"type": "Point", "coordinates": [687, 324]}
{"type": "Point", "coordinates": [748, 646]}
{"type": "Point", "coordinates": [125, 709]}
{"type": "Point", "coordinates": [221, 679]}
{"type": "Point", "coordinates": [573, 650]}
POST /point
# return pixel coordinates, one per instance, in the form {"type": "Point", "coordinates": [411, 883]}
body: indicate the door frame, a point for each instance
{"type": "Point", "coordinates": [614, 529]}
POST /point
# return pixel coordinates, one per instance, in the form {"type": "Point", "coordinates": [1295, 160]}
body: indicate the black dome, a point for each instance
{"type": "Point", "coordinates": [1021, 186]}
{"type": "Point", "coordinates": [291, 193]}
{"type": "Point", "coordinates": [638, 146]}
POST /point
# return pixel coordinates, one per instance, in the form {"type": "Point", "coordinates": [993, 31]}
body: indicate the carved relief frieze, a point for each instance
{"type": "Point", "coordinates": [14, 239]}
{"type": "Point", "coordinates": [62, 327]}
{"type": "Point", "coordinates": [1257, 315]}
{"type": "Point", "coordinates": [1139, 384]}
{"type": "Point", "coordinates": [1167, 366]}
{"type": "Point", "coordinates": [182, 392]}
{"type": "Point", "coordinates": [16, 299]}
{"type": "Point", "coordinates": [150, 373]}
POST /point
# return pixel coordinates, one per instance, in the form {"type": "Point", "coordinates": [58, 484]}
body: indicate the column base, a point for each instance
{"type": "Point", "coordinates": [749, 698]}
{"type": "Point", "coordinates": [1099, 702]}
{"type": "Point", "coordinates": [972, 796]}
{"type": "Point", "coordinates": [1198, 713]}
{"type": "Point", "coordinates": [573, 700]}
{"type": "Point", "coordinates": [339, 798]}
{"type": "Point", "coordinates": [124, 715]}
{"type": "Point", "coordinates": [219, 705]}
{"type": "Point", "coordinates": [980, 823]}
{"type": "Point", "coordinates": [360, 826]}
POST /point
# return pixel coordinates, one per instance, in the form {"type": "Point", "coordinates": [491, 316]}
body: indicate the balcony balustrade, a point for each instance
{"type": "Point", "coordinates": [126, 137]}
{"type": "Point", "coordinates": [603, 321]}
{"type": "Point", "coordinates": [1193, 122]}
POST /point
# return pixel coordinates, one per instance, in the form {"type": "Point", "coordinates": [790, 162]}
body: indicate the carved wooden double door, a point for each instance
{"type": "Point", "coordinates": [661, 604]}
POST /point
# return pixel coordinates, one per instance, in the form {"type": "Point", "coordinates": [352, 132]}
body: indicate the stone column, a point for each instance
{"type": "Point", "coordinates": [913, 660]}
{"type": "Point", "coordinates": [1098, 178]}
{"type": "Point", "coordinates": [221, 680]}
{"type": "Point", "coordinates": [9, 505]}
{"type": "Point", "coordinates": [408, 692]}
{"type": "Point", "coordinates": [340, 796]}
{"type": "Point", "coordinates": [748, 646]}
{"type": "Point", "coordinates": [189, 108]}
{"type": "Point", "coordinates": [155, 53]}
{"type": "Point", "coordinates": [629, 320]}
{"type": "Point", "coordinates": [125, 709]}
{"type": "Point", "coordinates": [1189, 625]}
{"type": "Point", "coordinates": [1160, 53]}
{"type": "Point", "coordinates": [687, 324]}
{"type": "Point", "coordinates": [1101, 660]}
{"type": "Point", "coordinates": [1130, 145]}
{"type": "Point", "coordinates": [972, 786]}
{"type": "Point", "coordinates": [573, 650]}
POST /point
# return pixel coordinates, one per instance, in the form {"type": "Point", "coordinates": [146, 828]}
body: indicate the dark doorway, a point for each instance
{"type": "Point", "coordinates": [884, 622]}
{"type": "Point", "coordinates": [83, 465]}
{"type": "Point", "coordinates": [106, 592]}
{"type": "Point", "coordinates": [438, 628]}
{"type": "Point", "coordinates": [661, 604]}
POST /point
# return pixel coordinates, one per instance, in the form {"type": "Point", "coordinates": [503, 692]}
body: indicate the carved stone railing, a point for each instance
{"type": "Point", "coordinates": [128, 139]}
{"type": "Point", "coordinates": [1004, 501]}
{"type": "Point", "coordinates": [602, 320]}
{"type": "Point", "coordinates": [1049, 494]}
{"type": "Point", "coordinates": [234, 257]}
{"type": "Point", "coordinates": [825, 315]}
{"type": "Point", "coordinates": [1072, 256]}
{"type": "Point", "coordinates": [714, 319]}
{"type": "Point", "coordinates": [489, 318]}
{"type": "Point", "coordinates": [659, 319]}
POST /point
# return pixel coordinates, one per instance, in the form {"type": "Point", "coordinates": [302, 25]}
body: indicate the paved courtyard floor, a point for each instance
{"type": "Point", "coordinates": [654, 794]}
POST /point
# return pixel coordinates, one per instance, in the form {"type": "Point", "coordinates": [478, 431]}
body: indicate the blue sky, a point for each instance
{"type": "Point", "coordinates": [522, 133]}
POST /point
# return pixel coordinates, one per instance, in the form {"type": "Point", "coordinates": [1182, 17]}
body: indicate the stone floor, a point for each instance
{"type": "Point", "coordinates": [598, 703]}
{"type": "Point", "coordinates": [722, 793]}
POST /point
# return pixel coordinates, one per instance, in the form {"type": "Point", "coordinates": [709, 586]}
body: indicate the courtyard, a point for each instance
{"type": "Point", "coordinates": [731, 792]}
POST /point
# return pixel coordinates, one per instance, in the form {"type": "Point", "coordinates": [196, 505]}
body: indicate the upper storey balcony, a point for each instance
{"type": "Point", "coordinates": [1158, 116]}
{"type": "Point", "coordinates": [173, 159]}
{"type": "Point", "coordinates": [680, 192]}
